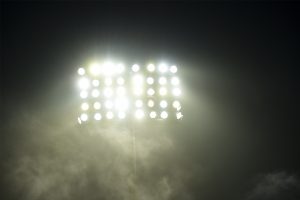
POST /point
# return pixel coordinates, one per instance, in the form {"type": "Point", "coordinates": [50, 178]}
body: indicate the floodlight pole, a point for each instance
{"type": "Point", "coordinates": [134, 149]}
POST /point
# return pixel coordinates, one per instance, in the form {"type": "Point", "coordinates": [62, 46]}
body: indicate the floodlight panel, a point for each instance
{"type": "Point", "coordinates": [108, 90]}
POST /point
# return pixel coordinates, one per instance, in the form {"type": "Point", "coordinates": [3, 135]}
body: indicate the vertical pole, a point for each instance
{"type": "Point", "coordinates": [134, 150]}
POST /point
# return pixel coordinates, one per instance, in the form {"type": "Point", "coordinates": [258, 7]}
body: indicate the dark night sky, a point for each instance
{"type": "Point", "coordinates": [240, 67]}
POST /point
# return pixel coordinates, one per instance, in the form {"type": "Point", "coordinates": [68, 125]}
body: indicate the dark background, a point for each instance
{"type": "Point", "coordinates": [240, 68]}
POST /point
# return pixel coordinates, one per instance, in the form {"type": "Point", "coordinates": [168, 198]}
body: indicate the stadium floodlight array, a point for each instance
{"type": "Point", "coordinates": [113, 91]}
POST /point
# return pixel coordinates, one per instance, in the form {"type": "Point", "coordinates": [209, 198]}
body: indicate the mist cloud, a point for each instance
{"type": "Point", "coordinates": [273, 186]}
{"type": "Point", "coordinates": [53, 160]}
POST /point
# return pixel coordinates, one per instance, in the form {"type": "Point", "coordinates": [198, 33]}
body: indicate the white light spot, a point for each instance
{"type": "Point", "coordinates": [175, 81]}
{"type": "Point", "coordinates": [138, 79]}
{"type": "Point", "coordinates": [84, 83]}
{"type": "Point", "coordinates": [120, 68]}
{"type": "Point", "coordinates": [139, 114]}
{"type": "Point", "coordinates": [121, 91]}
{"type": "Point", "coordinates": [151, 68]}
{"type": "Point", "coordinates": [109, 104]}
{"type": "Point", "coordinates": [163, 91]}
{"type": "Point", "coordinates": [108, 81]}
{"type": "Point", "coordinates": [162, 80]}
{"type": "Point", "coordinates": [173, 69]}
{"type": "Point", "coordinates": [95, 83]}
{"type": "Point", "coordinates": [84, 106]}
{"type": "Point", "coordinates": [151, 103]}
{"type": "Point", "coordinates": [121, 115]}
{"type": "Point", "coordinates": [95, 69]}
{"type": "Point", "coordinates": [108, 92]}
{"type": "Point", "coordinates": [176, 92]}
{"type": "Point", "coordinates": [84, 117]}
{"type": "Point", "coordinates": [139, 103]}
{"type": "Point", "coordinates": [83, 94]}
{"type": "Point", "coordinates": [163, 114]}
{"type": "Point", "coordinates": [135, 68]}
{"type": "Point", "coordinates": [179, 115]}
{"type": "Point", "coordinates": [98, 116]}
{"type": "Point", "coordinates": [120, 81]}
{"type": "Point", "coordinates": [97, 105]}
{"type": "Point", "coordinates": [109, 115]}
{"type": "Point", "coordinates": [138, 91]}
{"type": "Point", "coordinates": [108, 68]}
{"type": "Point", "coordinates": [176, 105]}
{"type": "Point", "coordinates": [121, 104]}
{"type": "Point", "coordinates": [81, 71]}
{"type": "Point", "coordinates": [95, 93]}
{"type": "Point", "coordinates": [163, 104]}
{"type": "Point", "coordinates": [150, 92]}
{"type": "Point", "coordinates": [150, 80]}
{"type": "Point", "coordinates": [162, 68]}
{"type": "Point", "coordinates": [152, 114]}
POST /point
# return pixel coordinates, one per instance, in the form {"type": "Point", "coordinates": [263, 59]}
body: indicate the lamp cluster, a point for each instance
{"type": "Point", "coordinates": [113, 91]}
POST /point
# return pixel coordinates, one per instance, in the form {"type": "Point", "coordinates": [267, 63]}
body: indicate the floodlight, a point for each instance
{"type": "Point", "coordinates": [162, 80]}
{"type": "Point", "coordinates": [81, 71]}
{"type": "Point", "coordinates": [162, 91]}
{"type": "Point", "coordinates": [152, 114]}
{"type": "Point", "coordinates": [138, 91]}
{"type": "Point", "coordinates": [179, 115]}
{"type": "Point", "coordinates": [151, 68]}
{"type": "Point", "coordinates": [151, 103]}
{"type": "Point", "coordinates": [163, 68]}
{"type": "Point", "coordinates": [125, 93]}
{"type": "Point", "coordinates": [139, 114]}
{"type": "Point", "coordinates": [98, 116]}
{"type": "Point", "coordinates": [135, 68]}
{"type": "Point", "coordinates": [109, 104]}
{"type": "Point", "coordinates": [109, 115]}
{"type": "Point", "coordinates": [163, 104]}
{"type": "Point", "coordinates": [108, 92]}
{"type": "Point", "coordinates": [120, 68]}
{"type": "Point", "coordinates": [173, 69]}
{"type": "Point", "coordinates": [95, 93]}
{"type": "Point", "coordinates": [84, 94]}
{"type": "Point", "coordinates": [150, 91]}
{"type": "Point", "coordinates": [84, 117]}
{"type": "Point", "coordinates": [108, 68]}
{"type": "Point", "coordinates": [120, 81]}
{"type": "Point", "coordinates": [137, 79]}
{"type": "Point", "coordinates": [84, 106]}
{"type": "Point", "coordinates": [176, 92]}
{"type": "Point", "coordinates": [97, 105]}
{"type": "Point", "coordinates": [121, 91]}
{"type": "Point", "coordinates": [84, 83]}
{"type": "Point", "coordinates": [139, 103]}
{"type": "Point", "coordinates": [121, 115]}
{"type": "Point", "coordinates": [164, 115]}
{"type": "Point", "coordinates": [95, 69]}
{"type": "Point", "coordinates": [176, 105]}
{"type": "Point", "coordinates": [121, 104]}
{"type": "Point", "coordinates": [95, 83]}
{"type": "Point", "coordinates": [175, 81]}
{"type": "Point", "coordinates": [150, 80]}
{"type": "Point", "coordinates": [108, 81]}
